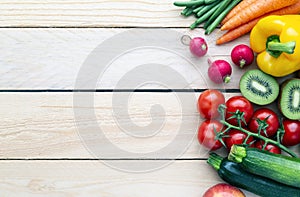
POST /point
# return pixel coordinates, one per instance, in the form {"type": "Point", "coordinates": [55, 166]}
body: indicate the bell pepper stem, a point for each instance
{"type": "Point", "coordinates": [275, 47]}
{"type": "Point", "coordinates": [287, 47]}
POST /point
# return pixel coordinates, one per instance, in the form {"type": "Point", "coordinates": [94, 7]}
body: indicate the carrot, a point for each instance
{"type": "Point", "coordinates": [247, 27]}
{"type": "Point", "coordinates": [292, 9]}
{"type": "Point", "coordinates": [255, 10]}
{"type": "Point", "coordinates": [242, 5]}
{"type": "Point", "coordinates": [237, 32]}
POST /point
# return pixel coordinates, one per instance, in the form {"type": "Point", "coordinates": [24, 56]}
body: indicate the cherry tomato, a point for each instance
{"type": "Point", "coordinates": [207, 135]}
{"type": "Point", "coordinates": [237, 137]}
{"type": "Point", "coordinates": [223, 190]}
{"type": "Point", "coordinates": [291, 135]}
{"type": "Point", "coordinates": [209, 102]}
{"type": "Point", "coordinates": [270, 147]}
{"type": "Point", "coordinates": [268, 119]}
{"type": "Point", "coordinates": [238, 103]}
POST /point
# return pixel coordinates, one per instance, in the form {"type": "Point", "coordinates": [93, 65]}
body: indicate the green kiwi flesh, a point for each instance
{"type": "Point", "coordinates": [258, 87]}
{"type": "Point", "coordinates": [289, 101]}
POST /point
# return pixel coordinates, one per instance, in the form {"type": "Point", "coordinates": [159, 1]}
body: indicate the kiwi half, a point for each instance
{"type": "Point", "coordinates": [258, 87]}
{"type": "Point", "coordinates": [289, 102]}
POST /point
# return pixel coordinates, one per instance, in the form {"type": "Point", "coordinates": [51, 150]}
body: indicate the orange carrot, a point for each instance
{"type": "Point", "coordinates": [255, 10]}
{"type": "Point", "coordinates": [242, 5]}
{"type": "Point", "coordinates": [247, 27]}
{"type": "Point", "coordinates": [292, 9]}
{"type": "Point", "coordinates": [237, 32]}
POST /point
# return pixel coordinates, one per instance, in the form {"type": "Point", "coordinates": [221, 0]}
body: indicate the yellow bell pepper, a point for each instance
{"type": "Point", "coordinates": [276, 40]}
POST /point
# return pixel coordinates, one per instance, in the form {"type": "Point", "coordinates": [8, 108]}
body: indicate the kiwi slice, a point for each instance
{"type": "Point", "coordinates": [289, 102]}
{"type": "Point", "coordinates": [258, 87]}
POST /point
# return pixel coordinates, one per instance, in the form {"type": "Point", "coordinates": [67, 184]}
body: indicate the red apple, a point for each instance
{"type": "Point", "coordinates": [223, 190]}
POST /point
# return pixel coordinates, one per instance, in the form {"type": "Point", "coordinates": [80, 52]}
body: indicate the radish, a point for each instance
{"type": "Point", "coordinates": [242, 55]}
{"type": "Point", "coordinates": [219, 71]}
{"type": "Point", "coordinates": [198, 46]}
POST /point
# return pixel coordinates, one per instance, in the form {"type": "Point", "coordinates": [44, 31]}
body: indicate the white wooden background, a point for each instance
{"type": "Point", "coordinates": [43, 44]}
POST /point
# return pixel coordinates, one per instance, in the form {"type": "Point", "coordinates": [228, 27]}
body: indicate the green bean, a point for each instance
{"type": "Point", "coordinates": [209, 1]}
{"type": "Point", "coordinates": [184, 11]}
{"type": "Point", "coordinates": [204, 17]}
{"type": "Point", "coordinates": [198, 9]}
{"type": "Point", "coordinates": [189, 12]}
{"type": "Point", "coordinates": [220, 9]}
{"type": "Point", "coordinates": [189, 3]}
{"type": "Point", "coordinates": [218, 20]}
{"type": "Point", "coordinates": [207, 8]}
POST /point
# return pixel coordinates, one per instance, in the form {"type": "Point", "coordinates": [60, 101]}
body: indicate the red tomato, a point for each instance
{"type": "Point", "coordinates": [209, 102]}
{"type": "Point", "coordinates": [223, 190]}
{"type": "Point", "coordinates": [268, 119]}
{"type": "Point", "coordinates": [237, 137]}
{"type": "Point", "coordinates": [291, 135]}
{"type": "Point", "coordinates": [270, 147]}
{"type": "Point", "coordinates": [238, 103]}
{"type": "Point", "coordinates": [207, 136]}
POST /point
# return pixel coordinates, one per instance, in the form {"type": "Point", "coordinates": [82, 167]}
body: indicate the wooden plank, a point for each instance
{"type": "Point", "coordinates": [93, 178]}
{"type": "Point", "coordinates": [52, 125]}
{"type": "Point", "coordinates": [92, 13]}
{"type": "Point", "coordinates": [53, 59]}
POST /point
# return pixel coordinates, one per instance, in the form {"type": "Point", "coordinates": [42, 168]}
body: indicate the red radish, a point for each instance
{"type": "Point", "coordinates": [198, 46]}
{"type": "Point", "coordinates": [242, 55]}
{"type": "Point", "coordinates": [219, 71]}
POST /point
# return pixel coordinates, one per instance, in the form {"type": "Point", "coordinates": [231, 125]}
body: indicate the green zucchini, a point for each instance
{"type": "Point", "coordinates": [280, 168]}
{"type": "Point", "coordinates": [233, 173]}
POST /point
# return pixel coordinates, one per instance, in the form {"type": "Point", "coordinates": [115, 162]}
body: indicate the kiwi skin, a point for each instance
{"type": "Point", "coordinates": [283, 96]}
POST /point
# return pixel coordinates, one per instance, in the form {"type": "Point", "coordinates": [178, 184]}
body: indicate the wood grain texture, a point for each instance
{"type": "Point", "coordinates": [44, 125]}
{"type": "Point", "coordinates": [92, 13]}
{"type": "Point", "coordinates": [53, 58]}
{"type": "Point", "coordinates": [93, 178]}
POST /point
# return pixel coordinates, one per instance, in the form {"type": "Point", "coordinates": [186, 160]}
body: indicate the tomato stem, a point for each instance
{"type": "Point", "coordinates": [229, 126]}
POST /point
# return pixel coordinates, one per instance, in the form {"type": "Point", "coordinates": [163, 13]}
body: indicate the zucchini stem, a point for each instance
{"type": "Point", "coordinates": [215, 161]}
{"type": "Point", "coordinates": [237, 153]}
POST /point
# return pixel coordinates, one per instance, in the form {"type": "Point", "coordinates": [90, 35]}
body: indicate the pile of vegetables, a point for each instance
{"type": "Point", "coordinates": [241, 124]}
{"type": "Point", "coordinates": [256, 137]}
{"type": "Point", "coordinates": [236, 17]}
{"type": "Point", "coordinates": [255, 140]}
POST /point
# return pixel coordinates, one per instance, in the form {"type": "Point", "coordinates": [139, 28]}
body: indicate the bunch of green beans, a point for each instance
{"type": "Point", "coordinates": [209, 12]}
